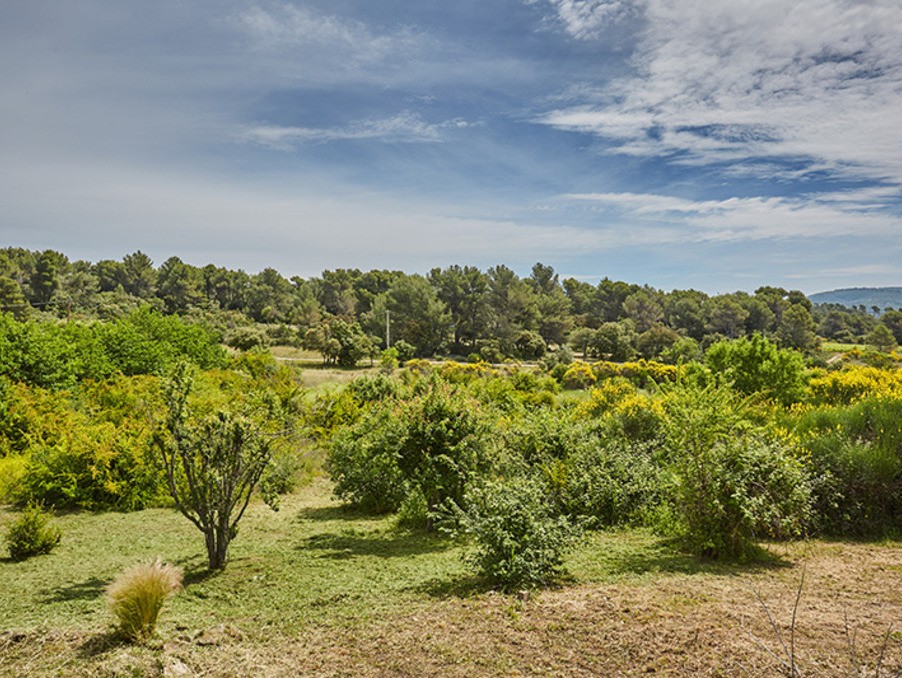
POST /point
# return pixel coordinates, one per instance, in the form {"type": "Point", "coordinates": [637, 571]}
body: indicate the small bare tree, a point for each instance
{"type": "Point", "coordinates": [212, 465]}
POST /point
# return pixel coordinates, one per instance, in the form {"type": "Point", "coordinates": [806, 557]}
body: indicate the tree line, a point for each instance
{"type": "Point", "coordinates": [349, 314]}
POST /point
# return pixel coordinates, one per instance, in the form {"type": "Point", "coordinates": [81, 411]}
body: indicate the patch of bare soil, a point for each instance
{"type": "Point", "coordinates": [697, 625]}
{"type": "Point", "coordinates": [848, 622]}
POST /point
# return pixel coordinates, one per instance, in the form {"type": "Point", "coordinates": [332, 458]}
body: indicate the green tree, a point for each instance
{"type": "Point", "coordinates": [513, 306]}
{"type": "Point", "coordinates": [339, 342]}
{"type": "Point", "coordinates": [180, 285]}
{"type": "Point", "coordinates": [110, 274]}
{"type": "Point", "coordinates": [45, 280]}
{"type": "Point", "coordinates": [269, 296]}
{"type": "Point", "coordinates": [138, 276]}
{"type": "Point", "coordinates": [796, 328]}
{"type": "Point", "coordinates": [726, 316]}
{"type": "Point", "coordinates": [684, 311]}
{"type": "Point", "coordinates": [552, 304]}
{"type": "Point", "coordinates": [881, 338]}
{"type": "Point", "coordinates": [613, 341]}
{"type": "Point", "coordinates": [655, 341]}
{"type": "Point", "coordinates": [464, 291]}
{"type": "Point", "coordinates": [644, 309]}
{"type": "Point", "coordinates": [12, 300]}
{"type": "Point", "coordinates": [212, 465]}
{"type": "Point", "coordinates": [415, 312]}
{"type": "Point", "coordinates": [893, 322]}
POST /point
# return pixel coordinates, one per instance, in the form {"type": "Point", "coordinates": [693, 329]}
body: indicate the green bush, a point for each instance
{"type": "Point", "coordinates": [612, 482]}
{"type": "Point", "coordinates": [433, 441]}
{"type": "Point", "coordinates": [31, 534]}
{"type": "Point", "coordinates": [363, 462]}
{"type": "Point", "coordinates": [757, 365]}
{"type": "Point", "coordinates": [137, 595]}
{"type": "Point", "coordinates": [520, 542]}
{"type": "Point", "coordinates": [855, 456]}
{"type": "Point", "coordinates": [734, 483]}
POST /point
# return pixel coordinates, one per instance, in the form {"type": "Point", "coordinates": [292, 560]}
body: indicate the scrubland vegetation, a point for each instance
{"type": "Point", "coordinates": [359, 509]}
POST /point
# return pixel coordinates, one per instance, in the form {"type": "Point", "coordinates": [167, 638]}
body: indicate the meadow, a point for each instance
{"type": "Point", "coordinates": [316, 589]}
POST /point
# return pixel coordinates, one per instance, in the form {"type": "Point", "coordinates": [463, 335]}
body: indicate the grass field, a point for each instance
{"type": "Point", "coordinates": [315, 590]}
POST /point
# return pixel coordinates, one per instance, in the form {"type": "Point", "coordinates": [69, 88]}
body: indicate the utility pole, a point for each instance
{"type": "Point", "coordinates": [387, 329]}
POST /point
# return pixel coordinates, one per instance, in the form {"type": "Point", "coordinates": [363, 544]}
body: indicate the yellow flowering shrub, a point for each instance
{"type": "Point", "coordinates": [464, 373]}
{"type": "Point", "coordinates": [579, 375]}
{"type": "Point", "coordinates": [853, 383]}
{"type": "Point", "coordinates": [605, 396]}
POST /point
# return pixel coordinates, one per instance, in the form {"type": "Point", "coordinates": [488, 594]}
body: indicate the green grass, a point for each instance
{"type": "Point", "coordinates": [836, 347]}
{"type": "Point", "coordinates": [317, 582]}
{"type": "Point", "coordinates": [311, 562]}
{"type": "Point", "coordinates": [308, 562]}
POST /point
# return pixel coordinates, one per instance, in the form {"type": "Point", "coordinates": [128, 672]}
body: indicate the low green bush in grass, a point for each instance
{"type": "Point", "coordinates": [520, 541]}
{"type": "Point", "coordinates": [31, 534]}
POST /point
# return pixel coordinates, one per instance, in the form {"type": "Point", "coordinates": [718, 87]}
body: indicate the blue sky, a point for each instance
{"type": "Point", "coordinates": [718, 145]}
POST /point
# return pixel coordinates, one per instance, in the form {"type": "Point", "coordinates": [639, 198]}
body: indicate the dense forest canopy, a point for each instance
{"type": "Point", "coordinates": [347, 314]}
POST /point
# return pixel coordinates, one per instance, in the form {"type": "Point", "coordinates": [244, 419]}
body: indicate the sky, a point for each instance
{"type": "Point", "coordinates": [718, 145]}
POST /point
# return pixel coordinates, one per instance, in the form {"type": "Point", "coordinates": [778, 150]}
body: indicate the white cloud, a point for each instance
{"type": "Point", "coordinates": [292, 28]}
{"type": "Point", "coordinates": [724, 81]}
{"type": "Point", "coordinates": [854, 214]}
{"type": "Point", "coordinates": [586, 19]}
{"type": "Point", "coordinates": [406, 127]}
{"type": "Point", "coordinates": [301, 229]}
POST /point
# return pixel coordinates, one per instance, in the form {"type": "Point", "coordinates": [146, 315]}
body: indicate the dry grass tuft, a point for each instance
{"type": "Point", "coordinates": [138, 594]}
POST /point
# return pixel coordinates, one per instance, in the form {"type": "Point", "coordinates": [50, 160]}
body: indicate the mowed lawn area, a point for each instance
{"type": "Point", "coordinates": [316, 590]}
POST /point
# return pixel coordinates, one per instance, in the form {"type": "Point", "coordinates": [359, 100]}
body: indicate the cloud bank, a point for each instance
{"type": "Point", "coordinates": [812, 81]}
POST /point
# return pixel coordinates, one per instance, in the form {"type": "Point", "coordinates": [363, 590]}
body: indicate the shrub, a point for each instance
{"type": "Point", "coordinates": [363, 462]}
{"type": "Point", "coordinates": [578, 376]}
{"type": "Point", "coordinates": [519, 541]}
{"type": "Point", "coordinates": [612, 482]}
{"type": "Point", "coordinates": [137, 595]}
{"type": "Point", "coordinates": [734, 484]}
{"type": "Point", "coordinates": [853, 383]}
{"type": "Point", "coordinates": [246, 338]}
{"type": "Point", "coordinates": [756, 365]}
{"type": "Point", "coordinates": [31, 535]}
{"type": "Point", "coordinates": [854, 456]}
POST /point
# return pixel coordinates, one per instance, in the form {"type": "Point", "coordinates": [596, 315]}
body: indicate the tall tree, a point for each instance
{"type": "Point", "coordinates": [513, 305]}
{"type": "Point", "coordinates": [180, 285]}
{"type": "Point", "coordinates": [415, 312]}
{"type": "Point", "coordinates": [45, 280]}
{"type": "Point", "coordinates": [464, 291]}
{"type": "Point", "coordinates": [138, 275]}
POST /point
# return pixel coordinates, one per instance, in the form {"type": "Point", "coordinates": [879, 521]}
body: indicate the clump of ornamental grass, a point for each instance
{"type": "Point", "coordinates": [137, 595]}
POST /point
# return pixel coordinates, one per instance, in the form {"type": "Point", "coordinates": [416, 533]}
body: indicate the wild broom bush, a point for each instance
{"type": "Point", "coordinates": [520, 542]}
{"type": "Point", "coordinates": [31, 535]}
{"type": "Point", "coordinates": [137, 595]}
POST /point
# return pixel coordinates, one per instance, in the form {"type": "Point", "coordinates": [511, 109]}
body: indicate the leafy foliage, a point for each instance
{"type": "Point", "coordinates": [520, 542]}
{"type": "Point", "coordinates": [212, 464]}
{"type": "Point", "coordinates": [756, 365]}
{"type": "Point", "coordinates": [733, 482]}
{"type": "Point", "coordinates": [31, 534]}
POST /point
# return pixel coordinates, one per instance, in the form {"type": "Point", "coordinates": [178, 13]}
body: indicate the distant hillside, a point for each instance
{"type": "Point", "coordinates": [882, 297]}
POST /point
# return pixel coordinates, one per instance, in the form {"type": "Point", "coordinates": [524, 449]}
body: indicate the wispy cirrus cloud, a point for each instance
{"type": "Point", "coordinates": [586, 19]}
{"type": "Point", "coordinates": [405, 127]}
{"type": "Point", "coordinates": [286, 27]}
{"type": "Point", "coordinates": [825, 215]}
{"type": "Point", "coordinates": [817, 81]}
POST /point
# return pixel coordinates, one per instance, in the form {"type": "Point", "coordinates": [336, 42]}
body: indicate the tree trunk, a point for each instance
{"type": "Point", "coordinates": [217, 548]}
